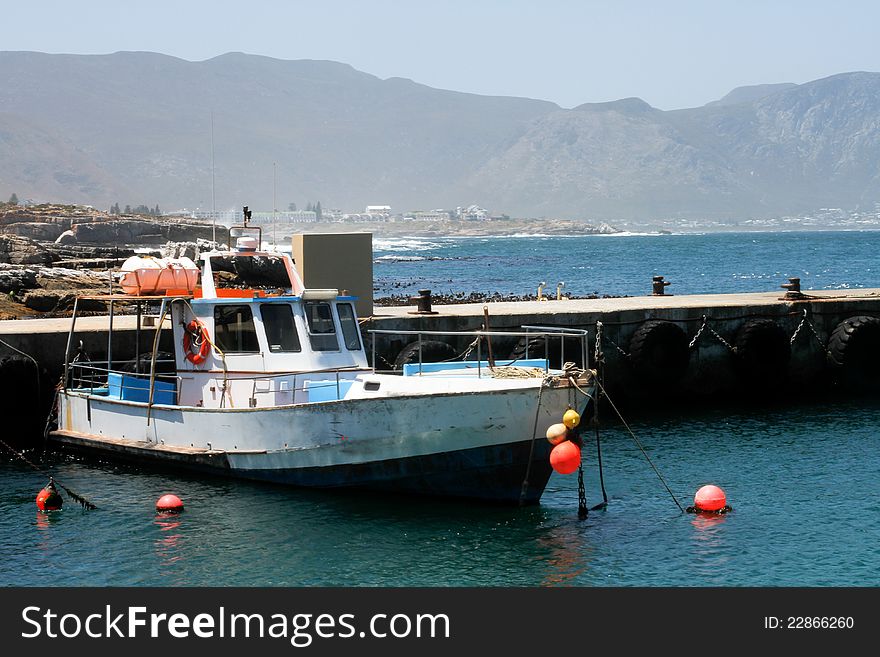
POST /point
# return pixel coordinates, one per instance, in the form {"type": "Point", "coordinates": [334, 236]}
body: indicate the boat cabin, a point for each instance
{"type": "Point", "coordinates": [271, 345]}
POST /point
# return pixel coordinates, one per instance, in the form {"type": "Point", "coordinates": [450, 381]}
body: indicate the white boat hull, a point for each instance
{"type": "Point", "coordinates": [475, 444]}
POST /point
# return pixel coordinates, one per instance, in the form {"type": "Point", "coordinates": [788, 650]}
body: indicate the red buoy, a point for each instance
{"type": "Point", "coordinates": [169, 504]}
{"type": "Point", "coordinates": [565, 457]}
{"type": "Point", "coordinates": [48, 499]}
{"type": "Point", "coordinates": [710, 498]}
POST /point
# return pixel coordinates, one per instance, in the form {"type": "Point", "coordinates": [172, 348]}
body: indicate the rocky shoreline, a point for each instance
{"type": "Point", "coordinates": [476, 297]}
{"type": "Point", "coordinates": [51, 253]}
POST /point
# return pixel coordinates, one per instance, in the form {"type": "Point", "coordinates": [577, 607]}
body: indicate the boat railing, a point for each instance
{"type": "Point", "coordinates": [547, 334]}
{"type": "Point", "coordinates": [96, 378]}
{"type": "Point", "coordinates": [306, 379]}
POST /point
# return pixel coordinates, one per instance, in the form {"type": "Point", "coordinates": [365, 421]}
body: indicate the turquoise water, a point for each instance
{"type": "Point", "coordinates": [803, 485]}
{"type": "Point", "coordinates": [802, 479]}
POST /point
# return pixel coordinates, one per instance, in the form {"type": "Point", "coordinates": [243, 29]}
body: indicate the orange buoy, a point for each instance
{"type": "Point", "coordinates": [556, 433]}
{"type": "Point", "coordinates": [565, 457]}
{"type": "Point", "coordinates": [169, 504]}
{"type": "Point", "coordinates": [48, 499]}
{"type": "Point", "coordinates": [710, 498]}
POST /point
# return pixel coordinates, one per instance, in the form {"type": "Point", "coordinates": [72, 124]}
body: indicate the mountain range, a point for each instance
{"type": "Point", "coordinates": [137, 128]}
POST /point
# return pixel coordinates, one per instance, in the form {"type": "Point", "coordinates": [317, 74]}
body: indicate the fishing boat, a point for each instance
{"type": "Point", "coordinates": [274, 383]}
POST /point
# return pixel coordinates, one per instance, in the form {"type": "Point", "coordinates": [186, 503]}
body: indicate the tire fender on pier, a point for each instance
{"type": "Point", "coordinates": [854, 351]}
{"type": "Point", "coordinates": [763, 351]}
{"type": "Point", "coordinates": [433, 351]}
{"type": "Point", "coordinates": [25, 399]}
{"type": "Point", "coordinates": [659, 351]}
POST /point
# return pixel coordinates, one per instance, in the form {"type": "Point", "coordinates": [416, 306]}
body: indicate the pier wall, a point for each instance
{"type": "Point", "coordinates": [733, 344]}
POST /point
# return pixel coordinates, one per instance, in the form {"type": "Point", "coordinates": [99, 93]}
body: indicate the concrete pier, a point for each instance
{"type": "Point", "coordinates": [712, 366]}
{"type": "Point", "coordinates": [709, 326]}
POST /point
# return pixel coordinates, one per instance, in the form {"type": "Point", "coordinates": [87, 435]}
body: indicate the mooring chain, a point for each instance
{"type": "Point", "coordinates": [79, 498]}
{"type": "Point", "coordinates": [598, 356]}
{"type": "Point", "coordinates": [705, 326]}
{"type": "Point", "coordinates": [809, 324]}
{"type": "Point", "coordinates": [470, 348]}
{"type": "Point", "coordinates": [582, 494]}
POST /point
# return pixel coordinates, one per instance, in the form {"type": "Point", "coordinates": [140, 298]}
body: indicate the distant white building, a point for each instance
{"type": "Point", "coordinates": [379, 211]}
{"type": "Point", "coordinates": [233, 217]}
{"type": "Point", "coordinates": [224, 217]}
{"type": "Point", "coordinates": [472, 213]}
{"type": "Point", "coordinates": [363, 216]}
{"type": "Point", "coordinates": [284, 218]}
{"type": "Point", "coordinates": [429, 215]}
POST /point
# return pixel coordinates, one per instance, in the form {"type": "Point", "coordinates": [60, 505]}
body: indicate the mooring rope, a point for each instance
{"type": "Point", "coordinates": [515, 372]}
{"type": "Point", "coordinates": [79, 498]}
{"type": "Point", "coordinates": [601, 474]}
{"type": "Point", "coordinates": [600, 374]}
{"type": "Point", "coordinates": [525, 483]}
{"type": "Point", "coordinates": [639, 444]}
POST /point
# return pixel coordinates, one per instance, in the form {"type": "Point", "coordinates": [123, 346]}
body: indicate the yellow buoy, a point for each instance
{"type": "Point", "coordinates": [557, 433]}
{"type": "Point", "coordinates": [571, 418]}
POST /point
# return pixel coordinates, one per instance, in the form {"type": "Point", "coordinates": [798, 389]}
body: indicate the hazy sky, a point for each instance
{"type": "Point", "coordinates": [670, 53]}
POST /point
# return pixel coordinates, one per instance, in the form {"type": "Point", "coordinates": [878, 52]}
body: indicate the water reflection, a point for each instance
{"type": "Point", "coordinates": [168, 545]}
{"type": "Point", "coordinates": [44, 522]}
{"type": "Point", "coordinates": [708, 526]}
{"type": "Point", "coordinates": [568, 553]}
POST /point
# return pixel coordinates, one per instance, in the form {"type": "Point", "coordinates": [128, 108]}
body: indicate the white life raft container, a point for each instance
{"type": "Point", "coordinates": [144, 275]}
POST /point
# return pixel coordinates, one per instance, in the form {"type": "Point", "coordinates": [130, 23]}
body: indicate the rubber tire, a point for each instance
{"type": "Point", "coordinates": [553, 352]}
{"type": "Point", "coordinates": [536, 348]}
{"type": "Point", "coordinates": [854, 351]}
{"type": "Point", "coordinates": [658, 351]}
{"type": "Point", "coordinates": [433, 351]}
{"type": "Point", "coordinates": [142, 366]}
{"type": "Point", "coordinates": [23, 404]}
{"type": "Point", "coordinates": [763, 352]}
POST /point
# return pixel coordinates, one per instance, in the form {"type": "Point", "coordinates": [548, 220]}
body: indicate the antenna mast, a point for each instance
{"type": "Point", "coordinates": [213, 195]}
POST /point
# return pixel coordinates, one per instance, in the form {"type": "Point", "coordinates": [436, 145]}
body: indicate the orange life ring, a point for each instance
{"type": "Point", "coordinates": [196, 334]}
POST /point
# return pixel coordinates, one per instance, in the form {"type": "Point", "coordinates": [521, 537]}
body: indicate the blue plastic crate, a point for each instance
{"type": "Point", "coordinates": [137, 389]}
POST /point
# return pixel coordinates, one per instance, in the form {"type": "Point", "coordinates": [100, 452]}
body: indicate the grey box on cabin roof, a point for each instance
{"type": "Point", "coordinates": [337, 260]}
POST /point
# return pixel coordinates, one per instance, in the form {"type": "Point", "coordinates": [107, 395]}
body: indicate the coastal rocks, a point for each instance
{"type": "Point", "coordinates": [181, 232]}
{"type": "Point", "coordinates": [47, 289]}
{"type": "Point", "coordinates": [46, 301]}
{"type": "Point", "coordinates": [42, 301]}
{"type": "Point", "coordinates": [88, 252]}
{"type": "Point", "coordinates": [132, 231]}
{"type": "Point", "coordinates": [118, 231]}
{"type": "Point", "coordinates": [44, 232]}
{"type": "Point", "coordinates": [63, 278]}
{"type": "Point", "coordinates": [23, 251]}
{"type": "Point", "coordinates": [14, 279]}
{"type": "Point", "coordinates": [191, 250]}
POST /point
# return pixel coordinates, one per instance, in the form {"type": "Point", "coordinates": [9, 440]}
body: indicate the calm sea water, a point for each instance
{"type": "Point", "coordinates": [803, 485]}
{"type": "Point", "coordinates": [625, 264]}
{"type": "Point", "coordinates": [802, 479]}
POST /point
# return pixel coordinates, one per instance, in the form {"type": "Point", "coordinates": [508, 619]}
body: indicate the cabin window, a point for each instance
{"type": "Point", "coordinates": [280, 328]}
{"type": "Point", "coordinates": [234, 329]}
{"type": "Point", "coordinates": [322, 332]}
{"type": "Point", "coordinates": [351, 334]}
